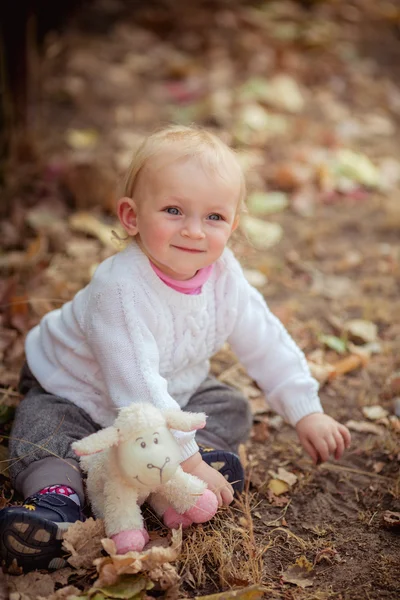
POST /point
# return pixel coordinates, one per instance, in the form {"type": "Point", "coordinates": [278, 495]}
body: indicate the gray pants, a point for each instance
{"type": "Point", "coordinates": [45, 426]}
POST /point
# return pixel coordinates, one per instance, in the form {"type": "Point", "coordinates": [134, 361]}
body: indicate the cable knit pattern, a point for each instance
{"type": "Point", "coordinates": [128, 337]}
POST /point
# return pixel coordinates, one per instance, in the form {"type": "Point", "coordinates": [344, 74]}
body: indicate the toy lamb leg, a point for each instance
{"type": "Point", "coordinates": [136, 457]}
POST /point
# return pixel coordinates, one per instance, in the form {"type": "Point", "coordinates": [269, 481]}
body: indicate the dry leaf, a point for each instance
{"type": "Point", "coordinates": [260, 432]}
{"type": "Point", "coordinates": [348, 364]}
{"type": "Point", "coordinates": [361, 331]}
{"type": "Point", "coordinates": [298, 574]}
{"type": "Point", "coordinates": [111, 567]}
{"type": "Point", "coordinates": [31, 585]}
{"type": "Point", "coordinates": [253, 592]}
{"type": "Point", "coordinates": [365, 427]}
{"type": "Point", "coordinates": [321, 372]}
{"type": "Point", "coordinates": [391, 519]}
{"type": "Point", "coordinates": [261, 233]}
{"type": "Point", "coordinates": [87, 223]}
{"type": "Point", "coordinates": [374, 413]}
{"type": "Point", "coordinates": [70, 592]}
{"type": "Point", "coordinates": [278, 487]}
{"type": "Point", "coordinates": [287, 476]}
{"type": "Point", "coordinates": [83, 541]}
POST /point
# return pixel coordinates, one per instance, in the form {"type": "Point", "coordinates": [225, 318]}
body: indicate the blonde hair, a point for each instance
{"type": "Point", "coordinates": [180, 142]}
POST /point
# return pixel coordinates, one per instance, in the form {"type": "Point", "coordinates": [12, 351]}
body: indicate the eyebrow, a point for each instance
{"type": "Point", "coordinates": [156, 432]}
{"type": "Point", "coordinates": [139, 438]}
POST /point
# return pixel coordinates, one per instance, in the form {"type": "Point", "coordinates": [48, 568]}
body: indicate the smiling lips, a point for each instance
{"type": "Point", "coordinates": [192, 250]}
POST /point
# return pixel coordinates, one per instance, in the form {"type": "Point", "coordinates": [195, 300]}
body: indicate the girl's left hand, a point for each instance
{"type": "Point", "coordinates": [321, 436]}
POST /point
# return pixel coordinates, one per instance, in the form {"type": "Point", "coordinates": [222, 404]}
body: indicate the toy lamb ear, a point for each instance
{"type": "Point", "coordinates": [185, 421]}
{"type": "Point", "coordinates": [101, 440]}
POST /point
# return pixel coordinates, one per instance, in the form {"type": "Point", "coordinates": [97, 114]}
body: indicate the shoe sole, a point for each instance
{"type": "Point", "coordinates": [33, 542]}
{"type": "Point", "coordinates": [229, 465]}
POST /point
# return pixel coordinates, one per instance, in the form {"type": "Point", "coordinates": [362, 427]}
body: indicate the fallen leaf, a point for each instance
{"type": "Point", "coordinates": [348, 364]}
{"type": "Point", "coordinates": [252, 592]}
{"type": "Point", "coordinates": [266, 203]}
{"type": "Point", "coordinates": [31, 585]}
{"type": "Point", "coordinates": [83, 541]}
{"type": "Point", "coordinates": [260, 432]}
{"type": "Point", "coordinates": [361, 331]}
{"type": "Point", "coordinates": [365, 427]}
{"type": "Point", "coordinates": [287, 476]}
{"type": "Point", "coordinates": [91, 225]}
{"type": "Point", "coordinates": [80, 139]}
{"type": "Point", "coordinates": [277, 501]}
{"type": "Point", "coordinates": [357, 167]}
{"type": "Point", "coordinates": [278, 487]}
{"type": "Point", "coordinates": [391, 519]}
{"type": "Point", "coordinates": [299, 573]}
{"type": "Point", "coordinates": [333, 342]}
{"type": "Point", "coordinates": [111, 567]}
{"type": "Point", "coordinates": [261, 234]}
{"type": "Point", "coordinates": [255, 278]}
{"type": "Point", "coordinates": [321, 372]}
{"type": "Point", "coordinates": [374, 413]}
{"type": "Point", "coordinates": [127, 587]}
{"type": "Point", "coordinates": [70, 592]}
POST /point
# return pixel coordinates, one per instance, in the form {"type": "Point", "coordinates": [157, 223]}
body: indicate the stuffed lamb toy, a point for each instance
{"type": "Point", "coordinates": [136, 459]}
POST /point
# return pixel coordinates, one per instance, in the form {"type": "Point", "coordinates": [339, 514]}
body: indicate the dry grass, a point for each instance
{"type": "Point", "coordinates": [224, 552]}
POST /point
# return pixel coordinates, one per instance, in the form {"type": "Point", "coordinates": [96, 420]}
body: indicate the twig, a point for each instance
{"type": "Point", "coordinates": [332, 467]}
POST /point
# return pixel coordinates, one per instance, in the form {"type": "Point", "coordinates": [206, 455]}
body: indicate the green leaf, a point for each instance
{"type": "Point", "coordinates": [265, 203]}
{"type": "Point", "coordinates": [334, 343]}
{"type": "Point", "coordinates": [127, 588]}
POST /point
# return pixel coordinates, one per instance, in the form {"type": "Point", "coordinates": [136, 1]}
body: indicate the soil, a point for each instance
{"type": "Point", "coordinates": [117, 72]}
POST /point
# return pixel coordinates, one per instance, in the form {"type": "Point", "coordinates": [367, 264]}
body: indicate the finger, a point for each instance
{"type": "Point", "coordinates": [339, 445]}
{"type": "Point", "coordinates": [309, 448]}
{"type": "Point", "coordinates": [227, 495]}
{"type": "Point", "coordinates": [346, 435]}
{"type": "Point", "coordinates": [219, 498]}
{"type": "Point", "coordinates": [322, 449]}
{"type": "Point", "coordinates": [332, 444]}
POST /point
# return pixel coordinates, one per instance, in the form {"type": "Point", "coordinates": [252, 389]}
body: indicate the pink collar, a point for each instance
{"type": "Point", "coordinates": [190, 286]}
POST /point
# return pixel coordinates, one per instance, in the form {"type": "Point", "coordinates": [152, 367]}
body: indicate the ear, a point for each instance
{"type": "Point", "coordinates": [185, 421]}
{"type": "Point", "coordinates": [127, 215]}
{"type": "Point", "coordinates": [103, 439]}
{"type": "Point", "coordinates": [235, 223]}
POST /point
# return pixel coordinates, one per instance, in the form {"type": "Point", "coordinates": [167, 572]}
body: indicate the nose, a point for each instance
{"type": "Point", "coordinates": [193, 229]}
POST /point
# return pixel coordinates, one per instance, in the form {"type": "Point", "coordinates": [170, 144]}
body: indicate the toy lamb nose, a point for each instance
{"type": "Point", "coordinates": [121, 465]}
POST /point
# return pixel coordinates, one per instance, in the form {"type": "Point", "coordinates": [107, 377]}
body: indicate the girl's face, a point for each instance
{"type": "Point", "coordinates": [182, 218]}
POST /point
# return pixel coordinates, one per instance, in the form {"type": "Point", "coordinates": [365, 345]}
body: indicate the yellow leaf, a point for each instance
{"type": "Point", "coordinates": [278, 487]}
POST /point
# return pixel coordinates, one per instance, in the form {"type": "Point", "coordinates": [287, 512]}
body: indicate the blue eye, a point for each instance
{"type": "Point", "coordinates": [172, 210]}
{"type": "Point", "coordinates": [215, 217]}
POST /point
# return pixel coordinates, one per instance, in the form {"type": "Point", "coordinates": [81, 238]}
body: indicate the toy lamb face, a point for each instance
{"type": "Point", "coordinates": [136, 459]}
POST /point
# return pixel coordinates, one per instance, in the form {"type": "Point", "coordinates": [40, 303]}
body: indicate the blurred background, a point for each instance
{"type": "Point", "coordinates": [308, 94]}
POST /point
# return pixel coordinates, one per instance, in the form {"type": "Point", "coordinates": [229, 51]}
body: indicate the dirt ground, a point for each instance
{"type": "Point", "coordinates": [117, 72]}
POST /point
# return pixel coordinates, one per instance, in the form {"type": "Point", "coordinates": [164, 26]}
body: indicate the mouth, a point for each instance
{"type": "Point", "coordinates": [190, 250]}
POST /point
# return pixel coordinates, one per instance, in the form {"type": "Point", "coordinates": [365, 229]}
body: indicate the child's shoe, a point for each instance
{"type": "Point", "coordinates": [228, 464]}
{"type": "Point", "coordinates": [32, 533]}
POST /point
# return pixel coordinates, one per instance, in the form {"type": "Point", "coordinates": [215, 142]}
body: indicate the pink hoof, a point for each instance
{"type": "Point", "coordinates": [131, 539]}
{"type": "Point", "coordinates": [173, 519]}
{"type": "Point", "coordinates": [204, 509]}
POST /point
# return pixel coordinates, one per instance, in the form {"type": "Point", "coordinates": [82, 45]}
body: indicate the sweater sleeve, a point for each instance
{"type": "Point", "coordinates": [127, 353]}
{"type": "Point", "coordinates": [272, 358]}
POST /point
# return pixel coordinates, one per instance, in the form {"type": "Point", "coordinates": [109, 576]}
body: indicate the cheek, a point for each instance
{"type": "Point", "coordinates": [218, 238]}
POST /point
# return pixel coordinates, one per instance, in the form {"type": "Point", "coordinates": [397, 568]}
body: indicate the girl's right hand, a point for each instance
{"type": "Point", "coordinates": [214, 480]}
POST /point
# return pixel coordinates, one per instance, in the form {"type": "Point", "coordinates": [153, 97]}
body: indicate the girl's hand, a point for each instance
{"type": "Point", "coordinates": [321, 436]}
{"type": "Point", "coordinates": [214, 480]}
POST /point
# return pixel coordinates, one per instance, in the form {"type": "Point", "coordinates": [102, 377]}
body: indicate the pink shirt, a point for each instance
{"type": "Point", "coordinates": [190, 286]}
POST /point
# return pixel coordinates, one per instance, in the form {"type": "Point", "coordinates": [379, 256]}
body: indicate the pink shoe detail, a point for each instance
{"type": "Point", "coordinates": [173, 519]}
{"type": "Point", "coordinates": [131, 539]}
{"type": "Point", "coordinates": [204, 509]}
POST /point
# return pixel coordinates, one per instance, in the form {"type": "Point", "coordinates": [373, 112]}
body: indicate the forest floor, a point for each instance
{"type": "Point", "coordinates": [310, 98]}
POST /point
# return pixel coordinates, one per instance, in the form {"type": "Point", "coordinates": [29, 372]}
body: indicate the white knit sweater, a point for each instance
{"type": "Point", "coordinates": [128, 337]}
